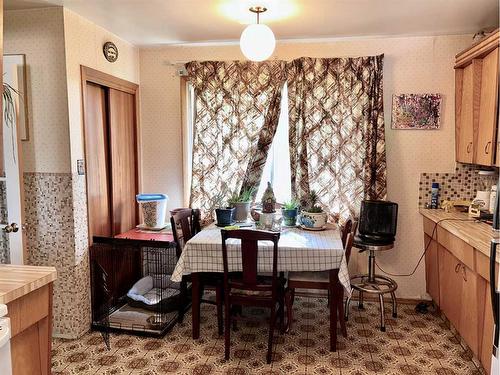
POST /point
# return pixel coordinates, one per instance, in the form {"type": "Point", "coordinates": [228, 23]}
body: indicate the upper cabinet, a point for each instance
{"type": "Point", "coordinates": [476, 103]}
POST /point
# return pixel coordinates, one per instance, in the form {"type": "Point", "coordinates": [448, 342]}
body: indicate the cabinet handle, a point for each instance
{"type": "Point", "coordinates": [469, 145]}
{"type": "Point", "coordinates": [457, 267]}
{"type": "Point", "coordinates": [464, 273]}
{"type": "Point", "coordinates": [487, 148]}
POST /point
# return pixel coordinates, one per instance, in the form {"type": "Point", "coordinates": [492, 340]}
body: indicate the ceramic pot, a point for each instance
{"type": "Point", "coordinates": [289, 216]}
{"type": "Point", "coordinates": [242, 211]}
{"type": "Point", "coordinates": [255, 213]}
{"type": "Point", "coordinates": [225, 216]}
{"type": "Point", "coordinates": [312, 219]}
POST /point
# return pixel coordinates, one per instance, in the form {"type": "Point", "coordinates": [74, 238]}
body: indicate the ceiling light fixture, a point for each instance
{"type": "Point", "coordinates": [257, 41]}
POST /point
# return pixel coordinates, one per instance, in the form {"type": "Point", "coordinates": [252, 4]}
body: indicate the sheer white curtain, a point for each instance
{"type": "Point", "coordinates": [277, 168]}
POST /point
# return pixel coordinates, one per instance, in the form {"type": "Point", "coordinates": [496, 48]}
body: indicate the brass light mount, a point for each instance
{"type": "Point", "coordinates": [258, 10]}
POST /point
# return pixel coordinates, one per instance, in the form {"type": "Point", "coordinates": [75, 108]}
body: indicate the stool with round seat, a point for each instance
{"type": "Point", "coordinates": [372, 283]}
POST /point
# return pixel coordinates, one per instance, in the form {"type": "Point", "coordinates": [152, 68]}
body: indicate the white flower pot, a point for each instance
{"type": "Point", "coordinates": [312, 219]}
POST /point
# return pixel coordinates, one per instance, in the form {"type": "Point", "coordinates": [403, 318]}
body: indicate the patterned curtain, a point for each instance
{"type": "Point", "coordinates": [237, 111]}
{"type": "Point", "coordinates": [337, 142]}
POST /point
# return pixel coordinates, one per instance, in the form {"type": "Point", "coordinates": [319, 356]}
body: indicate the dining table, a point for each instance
{"type": "Point", "coordinates": [298, 250]}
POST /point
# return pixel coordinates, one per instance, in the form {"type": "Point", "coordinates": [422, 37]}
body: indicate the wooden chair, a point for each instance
{"type": "Point", "coordinates": [321, 280]}
{"type": "Point", "coordinates": [185, 224]}
{"type": "Point", "coordinates": [248, 288]}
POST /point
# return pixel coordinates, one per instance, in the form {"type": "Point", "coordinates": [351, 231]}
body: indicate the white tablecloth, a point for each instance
{"type": "Point", "coordinates": [298, 250]}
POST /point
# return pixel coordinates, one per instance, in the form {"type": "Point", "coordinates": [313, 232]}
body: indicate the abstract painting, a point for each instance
{"type": "Point", "coordinates": [416, 111]}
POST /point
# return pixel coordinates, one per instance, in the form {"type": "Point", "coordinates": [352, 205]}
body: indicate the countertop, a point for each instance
{"type": "Point", "coordinates": [475, 233]}
{"type": "Point", "coordinates": [17, 281]}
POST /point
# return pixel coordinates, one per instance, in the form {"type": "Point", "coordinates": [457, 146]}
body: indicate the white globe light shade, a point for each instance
{"type": "Point", "coordinates": [257, 42]}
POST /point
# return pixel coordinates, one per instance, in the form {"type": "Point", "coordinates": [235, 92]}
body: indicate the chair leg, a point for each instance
{"type": "Point", "coordinates": [333, 317]}
{"type": "Point", "coordinates": [227, 327]}
{"type": "Point", "coordinates": [289, 311]}
{"type": "Point", "coordinates": [182, 302]}
{"type": "Point", "coordinates": [346, 309]}
{"type": "Point", "coordinates": [281, 314]}
{"type": "Point", "coordinates": [341, 314]}
{"type": "Point", "coordinates": [271, 335]}
{"type": "Point", "coordinates": [219, 301]}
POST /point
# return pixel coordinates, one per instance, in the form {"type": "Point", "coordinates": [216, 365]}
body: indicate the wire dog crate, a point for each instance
{"type": "Point", "coordinates": [131, 287]}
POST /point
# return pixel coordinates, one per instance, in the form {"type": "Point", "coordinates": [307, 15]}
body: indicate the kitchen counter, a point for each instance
{"type": "Point", "coordinates": [475, 233]}
{"type": "Point", "coordinates": [17, 281]}
{"type": "Point", "coordinates": [27, 292]}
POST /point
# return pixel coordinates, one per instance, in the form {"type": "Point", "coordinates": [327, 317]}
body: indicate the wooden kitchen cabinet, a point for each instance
{"type": "Point", "coordinates": [487, 127]}
{"type": "Point", "coordinates": [450, 286]}
{"type": "Point", "coordinates": [458, 258]}
{"type": "Point", "coordinates": [432, 269]}
{"type": "Point", "coordinates": [476, 102]}
{"type": "Point", "coordinates": [487, 330]}
{"type": "Point", "coordinates": [471, 308]}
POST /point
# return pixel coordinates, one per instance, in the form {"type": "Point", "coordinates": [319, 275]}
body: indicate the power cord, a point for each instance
{"type": "Point", "coordinates": [434, 232]}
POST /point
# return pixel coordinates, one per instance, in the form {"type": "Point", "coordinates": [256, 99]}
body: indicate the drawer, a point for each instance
{"type": "Point", "coordinates": [429, 227]}
{"type": "Point", "coordinates": [459, 248]}
{"type": "Point", "coordinates": [483, 265]}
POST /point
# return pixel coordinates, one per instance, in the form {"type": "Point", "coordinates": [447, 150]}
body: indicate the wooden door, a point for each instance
{"type": "Point", "coordinates": [487, 329]}
{"type": "Point", "coordinates": [97, 160]}
{"type": "Point", "coordinates": [450, 283]}
{"type": "Point", "coordinates": [123, 150]}
{"type": "Point", "coordinates": [464, 137]}
{"type": "Point", "coordinates": [471, 308]}
{"type": "Point", "coordinates": [486, 135]}
{"type": "Point", "coordinates": [432, 269]}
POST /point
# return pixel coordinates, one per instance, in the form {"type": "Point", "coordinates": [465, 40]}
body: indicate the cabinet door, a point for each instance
{"type": "Point", "coordinates": [487, 331]}
{"type": "Point", "coordinates": [124, 166]}
{"type": "Point", "coordinates": [450, 286]}
{"type": "Point", "coordinates": [464, 114]}
{"type": "Point", "coordinates": [471, 308]}
{"type": "Point", "coordinates": [97, 161]}
{"type": "Point", "coordinates": [432, 269]}
{"type": "Point", "coordinates": [486, 136]}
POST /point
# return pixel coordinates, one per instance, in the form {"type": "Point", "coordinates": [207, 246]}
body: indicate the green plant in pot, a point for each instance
{"type": "Point", "coordinates": [224, 214]}
{"type": "Point", "coordinates": [312, 215]}
{"type": "Point", "coordinates": [241, 202]}
{"type": "Point", "coordinates": [289, 211]}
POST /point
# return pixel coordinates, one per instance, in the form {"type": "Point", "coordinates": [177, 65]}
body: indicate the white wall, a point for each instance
{"type": "Point", "coordinates": [39, 34]}
{"type": "Point", "coordinates": [412, 65]}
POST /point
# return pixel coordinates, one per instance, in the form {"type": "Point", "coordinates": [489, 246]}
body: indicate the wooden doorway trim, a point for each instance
{"type": "Point", "coordinates": [89, 75]}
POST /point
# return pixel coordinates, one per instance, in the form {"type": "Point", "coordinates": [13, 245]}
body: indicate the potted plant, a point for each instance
{"type": "Point", "coordinates": [312, 216]}
{"type": "Point", "coordinates": [289, 212]}
{"type": "Point", "coordinates": [225, 215]}
{"type": "Point", "coordinates": [241, 202]}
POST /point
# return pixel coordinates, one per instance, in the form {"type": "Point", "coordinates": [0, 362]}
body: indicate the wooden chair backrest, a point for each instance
{"type": "Point", "coordinates": [249, 258]}
{"type": "Point", "coordinates": [185, 224]}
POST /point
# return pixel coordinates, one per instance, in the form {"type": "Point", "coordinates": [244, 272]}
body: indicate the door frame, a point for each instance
{"type": "Point", "coordinates": [90, 75]}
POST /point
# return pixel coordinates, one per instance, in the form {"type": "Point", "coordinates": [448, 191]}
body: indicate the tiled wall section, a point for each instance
{"type": "Point", "coordinates": [51, 241]}
{"type": "Point", "coordinates": [4, 239]}
{"type": "Point", "coordinates": [459, 185]}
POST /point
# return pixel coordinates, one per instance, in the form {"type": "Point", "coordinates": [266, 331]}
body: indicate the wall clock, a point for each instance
{"type": "Point", "coordinates": [110, 51]}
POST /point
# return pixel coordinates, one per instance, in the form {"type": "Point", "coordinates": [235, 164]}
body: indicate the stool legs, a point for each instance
{"type": "Point", "coordinates": [394, 305]}
{"type": "Point", "coordinates": [382, 312]}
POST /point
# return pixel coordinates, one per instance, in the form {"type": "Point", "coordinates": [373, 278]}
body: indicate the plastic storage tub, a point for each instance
{"type": "Point", "coordinates": [154, 209]}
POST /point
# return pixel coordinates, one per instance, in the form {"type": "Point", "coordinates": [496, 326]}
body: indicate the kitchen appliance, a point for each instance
{"type": "Point", "coordinates": [5, 358]}
{"type": "Point", "coordinates": [378, 221]}
{"type": "Point", "coordinates": [495, 286]}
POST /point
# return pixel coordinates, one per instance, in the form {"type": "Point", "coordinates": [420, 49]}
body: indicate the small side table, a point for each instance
{"type": "Point", "coordinates": [371, 282]}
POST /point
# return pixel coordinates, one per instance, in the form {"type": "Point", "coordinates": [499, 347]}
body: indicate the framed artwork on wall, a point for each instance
{"type": "Point", "coordinates": [416, 111]}
{"type": "Point", "coordinates": [14, 67]}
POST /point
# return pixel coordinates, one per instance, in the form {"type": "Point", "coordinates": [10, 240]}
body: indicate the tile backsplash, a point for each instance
{"type": "Point", "coordinates": [459, 185]}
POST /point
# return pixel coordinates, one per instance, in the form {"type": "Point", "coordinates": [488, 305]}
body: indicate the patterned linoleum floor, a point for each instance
{"type": "Point", "coordinates": [413, 344]}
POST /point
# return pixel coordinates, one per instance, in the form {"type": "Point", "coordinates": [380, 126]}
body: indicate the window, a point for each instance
{"type": "Point", "coordinates": [277, 167]}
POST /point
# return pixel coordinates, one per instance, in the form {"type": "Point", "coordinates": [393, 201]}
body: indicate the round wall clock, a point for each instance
{"type": "Point", "coordinates": [110, 51]}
